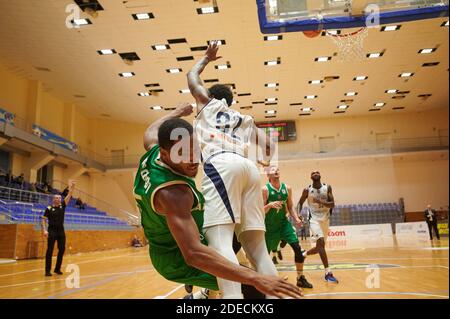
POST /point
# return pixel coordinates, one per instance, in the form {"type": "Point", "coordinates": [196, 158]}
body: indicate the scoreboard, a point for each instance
{"type": "Point", "coordinates": [283, 131]}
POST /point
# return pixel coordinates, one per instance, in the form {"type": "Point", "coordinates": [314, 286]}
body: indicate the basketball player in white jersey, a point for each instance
{"type": "Point", "coordinates": [320, 203]}
{"type": "Point", "coordinates": [231, 184]}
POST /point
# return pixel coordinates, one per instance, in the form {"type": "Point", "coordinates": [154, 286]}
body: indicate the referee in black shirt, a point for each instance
{"type": "Point", "coordinates": [55, 216]}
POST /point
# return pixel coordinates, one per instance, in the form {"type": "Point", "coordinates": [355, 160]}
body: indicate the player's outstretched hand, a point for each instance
{"type": "Point", "coordinates": [278, 287]}
{"type": "Point", "coordinates": [184, 109]}
{"type": "Point", "coordinates": [211, 52]}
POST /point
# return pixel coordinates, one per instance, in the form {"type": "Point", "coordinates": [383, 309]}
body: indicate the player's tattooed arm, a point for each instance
{"type": "Point", "coordinates": [290, 207]}
{"type": "Point", "coordinates": [268, 206]}
{"type": "Point", "coordinates": [151, 134]}
{"type": "Point", "coordinates": [302, 200]}
{"type": "Point", "coordinates": [198, 90]}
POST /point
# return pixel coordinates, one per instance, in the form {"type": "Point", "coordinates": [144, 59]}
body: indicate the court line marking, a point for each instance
{"type": "Point", "coordinates": [77, 263]}
{"type": "Point", "coordinates": [376, 293]}
{"type": "Point", "coordinates": [81, 277]}
{"type": "Point", "coordinates": [169, 293]}
{"type": "Point", "coordinates": [364, 268]}
{"type": "Point", "coordinates": [95, 284]}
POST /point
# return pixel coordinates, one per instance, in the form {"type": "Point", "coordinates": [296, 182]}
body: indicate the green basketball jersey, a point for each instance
{"type": "Point", "coordinates": [153, 175]}
{"type": "Point", "coordinates": [274, 216]}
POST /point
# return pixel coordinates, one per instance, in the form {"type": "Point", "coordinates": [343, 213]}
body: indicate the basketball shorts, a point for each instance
{"type": "Point", "coordinates": [172, 266]}
{"type": "Point", "coordinates": [232, 190]}
{"type": "Point", "coordinates": [319, 229]}
{"type": "Point", "coordinates": [276, 233]}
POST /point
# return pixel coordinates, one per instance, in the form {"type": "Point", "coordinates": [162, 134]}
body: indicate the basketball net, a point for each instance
{"type": "Point", "coordinates": [350, 45]}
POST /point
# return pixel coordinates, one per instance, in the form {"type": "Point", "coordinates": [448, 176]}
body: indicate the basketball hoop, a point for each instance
{"type": "Point", "coordinates": [350, 45]}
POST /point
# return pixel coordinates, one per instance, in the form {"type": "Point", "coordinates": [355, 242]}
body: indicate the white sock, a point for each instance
{"type": "Point", "coordinates": [299, 273]}
{"type": "Point", "coordinates": [327, 270]}
{"type": "Point", "coordinates": [201, 294]}
{"type": "Point", "coordinates": [305, 253]}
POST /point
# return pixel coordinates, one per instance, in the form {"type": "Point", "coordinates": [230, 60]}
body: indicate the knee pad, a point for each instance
{"type": "Point", "coordinates": [299, 258]}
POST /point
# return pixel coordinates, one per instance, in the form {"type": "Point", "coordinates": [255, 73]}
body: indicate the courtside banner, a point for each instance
{"type": "Point", "coordinates": [360, 231]}
{"type": "Point", "coordinates": [412, 228]}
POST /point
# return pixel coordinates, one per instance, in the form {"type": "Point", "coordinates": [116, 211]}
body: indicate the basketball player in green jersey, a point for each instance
{"type": "Point", "coordinates": [277, 204]}
{"type": "Point", "coordinates": [171, 210]}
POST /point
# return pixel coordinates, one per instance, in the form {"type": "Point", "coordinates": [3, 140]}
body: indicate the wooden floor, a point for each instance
{"type": "Point", "coordinates": [407, 268]}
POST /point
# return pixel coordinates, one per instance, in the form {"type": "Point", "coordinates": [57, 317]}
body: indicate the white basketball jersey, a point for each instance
{"type": "Point", "coordinates": [219, 128]}
{"type": "Point", "coordinates": [318, 212]}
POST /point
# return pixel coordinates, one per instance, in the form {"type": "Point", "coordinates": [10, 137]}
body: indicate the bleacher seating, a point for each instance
{"type": "Point", "coordinates": [360, 214]}
{"type": "Point", "coordinates": [28, 207]}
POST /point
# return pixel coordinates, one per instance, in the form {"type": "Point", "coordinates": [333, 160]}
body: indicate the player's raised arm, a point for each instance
{"type": "Point", "coordinates": [266, 143]}
{"type": "Point", "coordinates": [198, 91]}
{"type": "Point", "coordinates": [176, 202]}
{"type": "Point", "coordinates": [151, 134]}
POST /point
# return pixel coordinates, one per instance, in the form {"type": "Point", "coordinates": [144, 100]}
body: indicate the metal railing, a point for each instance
{"type": "Point", "coordinates": [18, 195]}
{"type": "Point", "coordinates": [291, 150]}
{"type": "Point", "coordinates": [27, 213]}
{"type": "Point", "coordinates": [100, 205]}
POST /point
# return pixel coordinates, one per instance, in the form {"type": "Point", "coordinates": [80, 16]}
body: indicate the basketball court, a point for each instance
{"type": "Point", "coordinates": [357, 90]}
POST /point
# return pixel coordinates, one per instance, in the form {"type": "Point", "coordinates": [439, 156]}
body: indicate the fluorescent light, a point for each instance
{"type": "Point", "coordinates": [271, 85]}
{"type": "Point", "coordinates": [126, 74]}
{"type": "Point", "coordinates": [273, 37]}
{"type": "Point", "coordinates": [390, 28]}
{"type": "Point", "coordinates": [391, 91]}
{"type": "Point", "coordinates": [207, 10]}
{"type": "Point", "coordinates": [219, 42]}
{"type": "Point", "coordinates": [271, 112]}
{"type": "Point", "coordinates": [427, 51]}
{"type": "Point", "coordinates": [310, 97]}
{"type": "Point", "coordinates": [379, 104]}
{"type": "Point", "coordinates": [342, 107]}
{"type": "Point", "coordinates": [271, 99]}
{"type": "Point", "coordinates": [406, 74]}
{"type": "Point", "coordinates": [222, 66]}
{"type": "Point", "coordinates": [144, 94]}
{"type": "Point", "coordinates": [184, 91]}
{"type": "Point", "coordinates": [160, 47]}
{"type": "Point", "coordinates": [156, 108]}
{"type": "Point", "coordinates": [315, 81]}
{"type": "Point", "coordinates": [323, 59]}
{"type": "Point", "coordinates": [351, 93]}
{"type": "Point", "coordinates": [234, 102]}
{"type": "Point", "coordinates": [81, 22]}
{"type": "Point", "coordinates": [142, 16]}
{"type": "Point", "coordinates": [360, 78]}
{"type": "Point", "coordinates": [306, 109]}
{"type": "Point", "coordinates": [333, 32]}
{"type": "Point", "coordinates": [106, 51]}
{"type": "Point", "coordinates": [271, 63]}
{"type": "Point", "coordinates": [374, 55]}
{"type": "Point", "coordinates": [174, 70]}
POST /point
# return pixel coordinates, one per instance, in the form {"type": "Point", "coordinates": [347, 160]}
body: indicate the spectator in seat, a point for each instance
{"type": "Point", "coordinates": [20, 179]}
{"type": "Point", "coordinates": [135, 242]}
{"type": "Point", "coordinates": [79, 204]}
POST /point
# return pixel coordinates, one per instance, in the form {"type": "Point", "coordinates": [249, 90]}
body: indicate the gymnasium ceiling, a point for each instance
{"type": "Point", "coordinates": [36, 44]}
